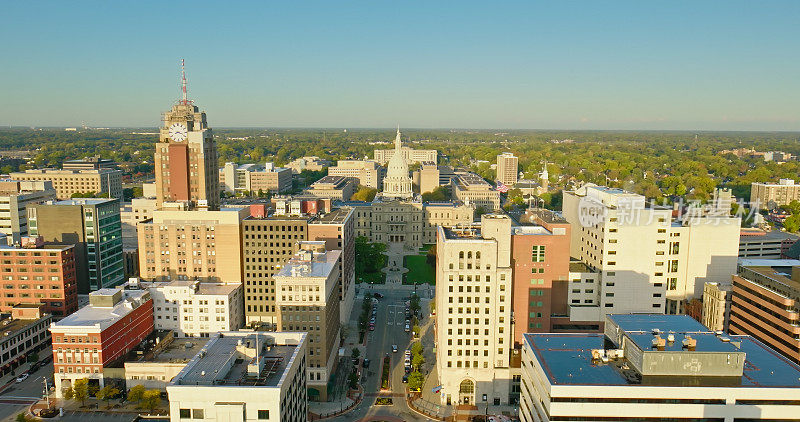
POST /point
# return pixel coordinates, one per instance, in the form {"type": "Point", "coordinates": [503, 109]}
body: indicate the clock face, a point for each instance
{"type": "Point", "coordinates": [178, 132]}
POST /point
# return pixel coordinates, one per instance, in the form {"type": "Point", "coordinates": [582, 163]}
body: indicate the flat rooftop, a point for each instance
{"type": "Point", "coordinates": [320, 265]}
{"type": "Point", "coordinates": [179, 350]}
{"type": "Point", "coordinates": [337, 216]}
{"type": "Point", "coordinates": [567, 358]}
{"type": "Point", "coordinates": [82, 201]}
{"type": "Point", "coordinates": [103, 317]}
{"type": "Point", "coordinates": [203, 287]}
{"type": "Point", "coordinates": [223, 360]}
{"type": "Point", "coordinates": [779, 273]}
{"type": "Point", "coordinates": [15, 324]}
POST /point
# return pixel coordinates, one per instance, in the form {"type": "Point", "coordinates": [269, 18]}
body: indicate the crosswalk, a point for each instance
{"type": "Point", "coordinates": [18, 400]}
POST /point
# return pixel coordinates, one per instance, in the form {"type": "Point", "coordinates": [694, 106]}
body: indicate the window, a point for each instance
{"type": "Point", "coordinates": [185, 413]}
{"type": "Point", "coordinates": [537, 253]}
{"type": "Point", "coordinates": [263, 414]}
{"type": "Point", "coordinates": [197, 414]}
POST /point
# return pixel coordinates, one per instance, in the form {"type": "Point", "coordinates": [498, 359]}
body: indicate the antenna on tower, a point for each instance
{"type": "Point", "coordinates": [185, 99]}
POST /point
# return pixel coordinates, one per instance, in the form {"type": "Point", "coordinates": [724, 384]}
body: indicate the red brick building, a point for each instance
{"type": "Point", "coordinates": [540, 257]}
{"type": "Point", "coordinates": [99, 334]}
{"type": "Point", "coordinates": [38, 274]}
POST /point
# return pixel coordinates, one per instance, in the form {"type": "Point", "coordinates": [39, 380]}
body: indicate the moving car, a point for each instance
{"type": "Point", "coordinates": [405, 378]}
{"type": "Point", "coordinates": [394, 348]}
{"type": "Point", "coordinates": [408, 328]}
{"type": "Point", "coordinates": [22, 377]}
{"type": "Point", "coordinates": [366, 363]}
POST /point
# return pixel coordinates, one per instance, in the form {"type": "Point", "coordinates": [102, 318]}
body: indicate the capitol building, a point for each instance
{"type": "Point", "coordinates": [398, 215]}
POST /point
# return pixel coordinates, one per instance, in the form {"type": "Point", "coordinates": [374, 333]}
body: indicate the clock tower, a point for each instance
{"type": "Point", "coordinates": [186, 162]}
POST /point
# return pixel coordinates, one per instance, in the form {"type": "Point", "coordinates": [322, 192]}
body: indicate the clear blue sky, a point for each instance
{"type": "Point", "coordinates": [720, 65]}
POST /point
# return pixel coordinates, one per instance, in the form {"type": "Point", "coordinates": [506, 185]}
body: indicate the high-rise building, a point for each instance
{"type": "Point", "coordinates": [337, 230]}
{"type": "Point", "coordinates": [507, 168]}
{"type": "Point", "coordinates": [186, 161]}
{"type": "Point", "coordinates": [540, 260]}
{"type": "Point", "coordinates": [35, 274]}
{"type": "Point", "coordinates": [93, 225]}
{"type": "Point", "coordinates": [648, 262]}
{"type": "Point", "coordinates": [773, 195]}
{"type": "Point", "coordinates": [189, 245]}
{"type": "Point", "coordinates": [243, 376]}
{"type": "Point", "coordinates": [765, 305]}
{"type": "Point", "coordinates": [655, 368]}
{"type": "Point", "coordinates": [428, 177]}
{"type": "Point", "coordinates": [15, 196]}
{"type": "Point", "coordinates": [99, 335]}
{"type": "Point", "coordinates": [474, 333]}
{"type": "Point", "coordinates": [103, 182]}
{"type": "Point", "coordinates": [307, 299]}
{"type": "Point", "coordinates": [368, 172]}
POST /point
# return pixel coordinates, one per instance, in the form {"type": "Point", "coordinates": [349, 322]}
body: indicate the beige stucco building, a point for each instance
{"type": "Point", "coordinates": [470, 188]}
{"type": "Point", "coordinates": [196, 244]}
{"type": "Point", "coordinates": [368, 172]}
{"type": "Point", "coordinates": [333, 187]}
{"type": "Point", "coordinates": [507, 168]}
{"type": "Point", "coordinates": [716, 305]}
{"type": "Point", "coordinates": [68, 182]}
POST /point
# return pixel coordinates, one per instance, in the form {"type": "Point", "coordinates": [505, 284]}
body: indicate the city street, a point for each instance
{"type": "Point", "coordinates": [18, 396]}
{"type": "Point", "coordinates": [389, 330]}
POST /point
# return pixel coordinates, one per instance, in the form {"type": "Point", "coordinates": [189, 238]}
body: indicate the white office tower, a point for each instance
{"type": "Point", "coordinates": [649, 260]}
{"type": "Point", "coordinates": [473, 312]}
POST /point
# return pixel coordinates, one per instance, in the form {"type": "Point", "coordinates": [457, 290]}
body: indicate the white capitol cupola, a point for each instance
{"type": "Point", "coordinates": [397, 183]}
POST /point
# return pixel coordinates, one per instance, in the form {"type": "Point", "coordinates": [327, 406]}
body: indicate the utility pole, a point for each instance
{"type": "Point", "coordinates": [46, 392]}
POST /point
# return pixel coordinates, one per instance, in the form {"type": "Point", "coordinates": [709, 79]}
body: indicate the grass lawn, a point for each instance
{"type": "Point", "coordinates": [419, 272]}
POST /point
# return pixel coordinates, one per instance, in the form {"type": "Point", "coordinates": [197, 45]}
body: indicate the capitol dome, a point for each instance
{"type": "Point", "coordinates": [397, 183]}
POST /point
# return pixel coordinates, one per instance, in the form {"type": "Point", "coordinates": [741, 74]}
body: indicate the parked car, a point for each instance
{"type": "Point", "coordinates": [377, 295]}
{"type": "Point", "coordinates": [405, 378]}
{"type": "Point", "coordinates": [408, 327]}
{"type": "Point", "coordinates": [394, 348]}
{"type": "Point", "coordinates": [22, 377]}
{"type": "Point", "coordinates": [372, 327]}
{"type": "Point", "coordinates": [356, 361]}
{"type": "Point", "coordinates": [366, 363]}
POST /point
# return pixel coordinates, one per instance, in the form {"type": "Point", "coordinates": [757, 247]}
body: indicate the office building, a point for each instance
{"type": "Point", "coordinates": [243, 376]}
{"type": "Point", "coordinates": [103, 182]}
{"type": "Point", "coordinates": [764, 304]}
{"type": "Point", "coordinates": [411, 156]}
{"type": "Point", "coordinates": [716, 306]}
{"type": "Point", "coordinates": [192, 308]}
{"type": "Point", "coordinates": [756, 243]}
{"type": "Point", "coordinates": [99, 335]}
{"type": "Point", "coordinates": [35, 274]}
{"type": "Point", "coordinates": [428, 177]}
{"type": "Point", "coordinates": [201, 244]}
{"type": "Point", "coordinates": [470, 188]}
{"type": "Point", "coordinates": [655, 368]}
{"type": "Point", "coordinates": [89, 163]}
{"type": "Point", "coordinates": [186, 161]}
{"type": "Point", "coordinates": [93, 225]}
{"type": "Point", "coordinates": [333, 187]}
{"type": "Point", "coordinates": [307, 299]}
{"type": "Point", "coordinates": [337, 230]}
{"type": "Point", "coordinates": [25, 331]}
{"type": "Point", "coordinates": [311, 163]}
{"type": "Point", "coordinates": [15, 196]}
{"type": "Point", "coordinates": [648, 262]}
{"type": "Point", "coordinates": [369, 173]}
{"type": "Point", "coordinates": [474, 289]}
{"type": "Point", "coordinates": [773, 195]}
{"type": "Point", "coordinates": [255, 178]}
{"type": "Point", "coordinates": [507, 169]}
{"type": "Point", "coordinates": [541, 267]}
